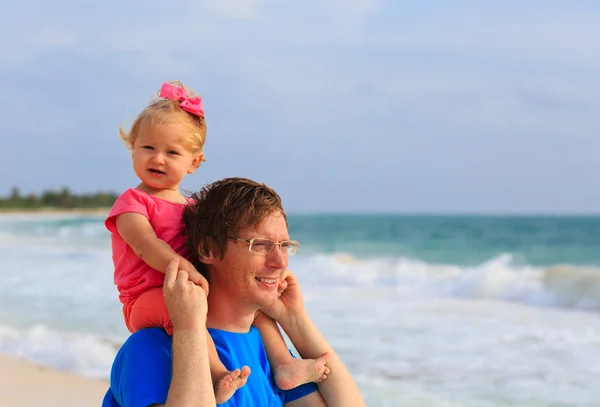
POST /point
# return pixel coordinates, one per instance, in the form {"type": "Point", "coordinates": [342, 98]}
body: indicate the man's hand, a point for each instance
{"type": "Point", "coordinates": [194, 275]}
{"type": "Point", "coordinates": [185, 301]}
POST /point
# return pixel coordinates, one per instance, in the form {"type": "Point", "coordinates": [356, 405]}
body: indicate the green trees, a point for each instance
{"type": "Point", "coordinates": [61, 199]}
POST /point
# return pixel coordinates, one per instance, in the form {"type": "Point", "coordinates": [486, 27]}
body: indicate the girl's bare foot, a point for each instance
{"type": "Point", "coordinates": [229, 383]}
{"type": "Point", "coordinates": [301, 371]}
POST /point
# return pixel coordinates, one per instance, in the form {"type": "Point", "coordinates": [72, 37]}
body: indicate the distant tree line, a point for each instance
{"type": "Point", "coordinates": [60, 199]}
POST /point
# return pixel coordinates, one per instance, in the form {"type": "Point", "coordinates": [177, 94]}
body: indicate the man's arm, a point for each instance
{"type": "Point", "coordinates": [313, 399]}
{"type": "Point", "coordinates": [186, 387]}
{"type": "Point", "coordinates": [151, 369]}
{"type": "Point", "coordinates": [191, 384]}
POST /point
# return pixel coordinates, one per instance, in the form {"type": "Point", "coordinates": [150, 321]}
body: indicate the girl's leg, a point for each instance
{"type": "Point", "coordinates": [225, 382]}
{"type": "Point", "coordinates": [147, 311]}
{"type": "Point", "coordinates": [289, 372]}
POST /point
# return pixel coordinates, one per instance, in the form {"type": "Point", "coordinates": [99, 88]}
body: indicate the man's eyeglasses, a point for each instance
{"type": "Point", "coordinates": [265, 246]}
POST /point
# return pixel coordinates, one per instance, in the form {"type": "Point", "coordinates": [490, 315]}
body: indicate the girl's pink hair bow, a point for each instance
{"type": "Point", "coordinates": [177, 94]}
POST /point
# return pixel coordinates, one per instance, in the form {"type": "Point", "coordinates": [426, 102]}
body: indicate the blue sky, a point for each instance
{"type": "Point", "coordinates": [352, 106]}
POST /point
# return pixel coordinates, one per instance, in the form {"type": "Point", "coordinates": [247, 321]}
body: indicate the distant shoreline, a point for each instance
{"type": "Point", "coordinates": [54, 211]}
{"type": "Point", "coordinates": [106, 210]}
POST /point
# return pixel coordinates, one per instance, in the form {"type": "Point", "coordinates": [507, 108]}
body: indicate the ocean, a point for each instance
{"type": "Point", "coordinates": [427, 311]}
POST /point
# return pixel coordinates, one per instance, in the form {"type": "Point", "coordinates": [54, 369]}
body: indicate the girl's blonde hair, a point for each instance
{"type": "Point", "coordinates": [160, 111]}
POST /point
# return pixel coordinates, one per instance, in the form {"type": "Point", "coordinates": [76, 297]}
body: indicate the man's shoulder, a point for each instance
{"type": "Point", "coordinates": [147, 347]}
{"type": "Point", "coordinates": [140, 374]}
{"type": "Point", "coordinates": [146, 340]}
{"type": "Point", "coordinates": [148, 334]}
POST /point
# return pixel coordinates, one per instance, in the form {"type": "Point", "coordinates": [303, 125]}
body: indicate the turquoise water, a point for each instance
{"type": "Point", "coordinates": [459, 240]}
{"type": "Point", "coordinates": [428, 311]}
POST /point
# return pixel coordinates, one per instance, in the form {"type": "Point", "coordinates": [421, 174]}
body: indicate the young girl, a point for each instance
{"type": "Point", "coordinates": [166, 142]}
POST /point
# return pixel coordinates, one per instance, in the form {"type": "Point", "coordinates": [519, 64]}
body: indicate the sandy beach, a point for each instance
{"type": "Point", "coordinates": [25, 384]}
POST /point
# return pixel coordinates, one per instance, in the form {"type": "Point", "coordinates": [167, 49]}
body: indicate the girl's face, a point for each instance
{"type": "Point", "coordinates": [161, 158]}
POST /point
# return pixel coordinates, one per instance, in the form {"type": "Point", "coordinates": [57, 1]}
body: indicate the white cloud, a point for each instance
{"type": "Point", "coordinates": [360, 7]}
{"type": "Point", "coordinates": [54, 36]}
{"type": "Point", "coordinates": [18, 49]}
{"type": "Point", "coordinates": [348, 15]}
{"type": "Point", "coordinates": [319, 53]}
{"type": "Point", "coordinates": [238, 9]}
{"type": "Point", "coordinates": [569, 38]}
{"type": "Point", "coordinates": [396, 72]}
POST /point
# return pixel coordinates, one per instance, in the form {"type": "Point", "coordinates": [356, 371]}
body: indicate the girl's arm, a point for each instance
{"type": "Point", "coordinates": [340, 389]}
{"type": "Point", "coordinates": [138, 233]}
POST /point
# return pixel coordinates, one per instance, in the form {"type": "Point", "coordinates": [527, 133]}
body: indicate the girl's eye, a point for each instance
{"type": "Point", "coordinates": [148, 147]}
{"type": "Point", "coordinates": [173, 152]}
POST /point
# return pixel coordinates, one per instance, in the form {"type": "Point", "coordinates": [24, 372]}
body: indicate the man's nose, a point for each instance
{"type": "Point", "coordinates": [277, 259]}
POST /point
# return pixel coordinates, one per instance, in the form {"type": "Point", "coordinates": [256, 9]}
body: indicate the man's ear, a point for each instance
{"type": "Point", "coordinates": [206, 259]}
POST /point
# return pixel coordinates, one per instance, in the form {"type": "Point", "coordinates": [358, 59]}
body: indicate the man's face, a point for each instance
{"type": "Point", "coordinates": [248, 277]}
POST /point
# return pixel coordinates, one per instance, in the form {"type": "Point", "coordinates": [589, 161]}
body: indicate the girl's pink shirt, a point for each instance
{"type": "Point", "coordinates": [132, 275]}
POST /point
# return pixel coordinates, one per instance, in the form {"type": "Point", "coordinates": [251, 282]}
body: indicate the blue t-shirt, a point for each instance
{"type": "Point", "coordinates": [141, 372]}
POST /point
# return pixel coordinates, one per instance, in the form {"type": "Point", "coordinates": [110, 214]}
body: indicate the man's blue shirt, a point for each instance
{"type": "Point", "coordinates": [141, 372]}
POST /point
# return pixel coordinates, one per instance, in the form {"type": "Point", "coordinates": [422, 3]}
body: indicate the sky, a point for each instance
{"type": "Point", "coordinates": [342, 106]}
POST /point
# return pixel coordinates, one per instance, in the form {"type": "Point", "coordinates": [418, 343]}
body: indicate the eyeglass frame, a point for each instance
{"type": "Point", "coordinates": [295, 243]}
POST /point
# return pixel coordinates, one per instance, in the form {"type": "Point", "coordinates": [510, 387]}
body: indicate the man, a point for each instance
{"type": "Point", "coordinates": [237, 234]}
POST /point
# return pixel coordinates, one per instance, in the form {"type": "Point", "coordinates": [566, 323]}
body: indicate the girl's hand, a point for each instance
{"type": "Point", "coordinates": [194, 275]}
{"type": "Point", "coordinates": [290, 303]}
